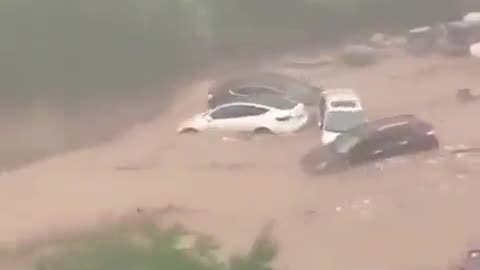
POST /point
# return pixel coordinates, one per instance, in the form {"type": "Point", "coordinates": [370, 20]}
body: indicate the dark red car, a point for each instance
{"type": "Point", "coordinates": [374, 140]}
{"type": "Point", "coordinates": [470, 259]}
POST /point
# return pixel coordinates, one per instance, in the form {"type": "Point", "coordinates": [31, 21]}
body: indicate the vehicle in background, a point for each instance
{"type": "Point", "coordinates": [454, 39]}
{"type": "Point", "coordinates": [261, 83]}
{"type": "Point", "coordinates": [420, 40]}
{"type": "Point", "coordinates": [379, 139]}
{"type": "Point", "coordinates": [340, 110]}
{"type": "Point", "coordinates": [472, 18]}
{"type": "Point", "coordinates": [263, 114]}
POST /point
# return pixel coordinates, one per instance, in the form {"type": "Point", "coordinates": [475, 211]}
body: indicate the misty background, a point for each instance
{"type": "Point", "coordinates": [77, 72]}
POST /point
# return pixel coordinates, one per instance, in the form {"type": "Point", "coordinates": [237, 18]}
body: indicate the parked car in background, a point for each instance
{"type": "Point", "coordinates": [340, 110]}
{"type": "Point", "coordinates": [454, 38]}
{"type": "Point", "coordinates": [263, 114]}
{"type": "Point", "coordinates": [450, 38]}
{"type": "Point", "coordinates": [261, 83]}
{"type": "Point", "coordinates": [421, 40]}
{"type": "Point", "coordinates": [379, 139]}
{"type": "Point", "coordinates": [472, 18]}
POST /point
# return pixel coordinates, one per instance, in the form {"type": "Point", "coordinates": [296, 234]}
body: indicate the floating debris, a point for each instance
{"type": "Point", "coordinates": [234, 166]}
{"type": "Point", "coordinates": [363, 208]}
{"type": "Point", "coordinates": [229, 139]}
{"type": "Point", "coordinates": [397, 160]}
{"type": "Point", "coordinates": [444, 187]}
{"type": "Point", "coordinates": [379, 166]}
{"type": "Point", "coordinates": [461, 149]}
{"type": "Point", "coordinates": [432, 161]}
{"type": "Point", "coordinates": [186, 242]}
{"type": "Point", "coordinates": [133, 167]}
{"type": "Point", "coordinates": [449, 148]}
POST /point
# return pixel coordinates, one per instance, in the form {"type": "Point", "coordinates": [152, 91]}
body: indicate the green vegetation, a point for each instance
{"type": "Point", "coordinates": [150, 249]}
{"type": "Point", "coordinates": [71, 50]}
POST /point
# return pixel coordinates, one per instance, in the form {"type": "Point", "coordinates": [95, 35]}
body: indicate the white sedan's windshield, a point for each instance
{"type": "Point", "coordinates": [341, 121]}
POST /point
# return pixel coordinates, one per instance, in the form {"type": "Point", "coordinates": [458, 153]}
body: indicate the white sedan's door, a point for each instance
{"type": "Point", "coordinates": [236, 118]}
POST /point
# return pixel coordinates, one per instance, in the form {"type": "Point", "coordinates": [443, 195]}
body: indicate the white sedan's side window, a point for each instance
{"type": "Point", "coordinates": [237, 111]}
{"type": "Point", "coordinates": [223, 113]}
{"type": "Point", "coordinates": [255, 90]}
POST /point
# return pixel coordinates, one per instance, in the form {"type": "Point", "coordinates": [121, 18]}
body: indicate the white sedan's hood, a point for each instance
{"type": "Point", "coordinates": [197, 122]}
{"type": "Point", "coordinates": [328, 136]}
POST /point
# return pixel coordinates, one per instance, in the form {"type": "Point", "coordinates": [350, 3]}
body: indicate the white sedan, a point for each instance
{"type": "Point", "coordinates": [274, 116]}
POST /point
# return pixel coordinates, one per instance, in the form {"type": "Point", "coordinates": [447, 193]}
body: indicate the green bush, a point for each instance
{"type": "Point", "coordinates": [152, 249]}
{"type": "Point", "coordinates": [70, 50]}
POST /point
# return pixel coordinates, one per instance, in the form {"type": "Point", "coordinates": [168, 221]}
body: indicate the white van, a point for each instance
{"type": "Point", "coordinates": [340, 110]}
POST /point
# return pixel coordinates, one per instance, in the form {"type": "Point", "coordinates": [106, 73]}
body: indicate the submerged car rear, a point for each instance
{"type": "Point", "coordinates": [293, 119]}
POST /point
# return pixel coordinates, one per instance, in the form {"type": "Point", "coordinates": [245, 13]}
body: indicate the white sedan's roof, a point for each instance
{"type": "Point", "coordinates": [270, 106]}
{"type": "Point", "coordinates": [265, 100]}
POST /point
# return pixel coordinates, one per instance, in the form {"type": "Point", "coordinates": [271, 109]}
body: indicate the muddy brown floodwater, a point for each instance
{"type": "Point", "coordinates": [405, 213]}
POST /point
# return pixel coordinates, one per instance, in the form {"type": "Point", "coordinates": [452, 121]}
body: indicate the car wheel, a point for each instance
{"type": "Point", "coordinates": [189, 131]}
{"type": "Point", "coordinates": [262, 131]}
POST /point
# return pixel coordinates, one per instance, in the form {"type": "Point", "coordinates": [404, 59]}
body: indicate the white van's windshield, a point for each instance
{"type": "Point", "coordinates": [344, 143]}
{"type": "Point", "coordinates": [341, 121]}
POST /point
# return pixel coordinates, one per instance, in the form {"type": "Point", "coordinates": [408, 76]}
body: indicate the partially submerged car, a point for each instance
{"type": "Point", "coordinates": [264, 114]}
{"type": "Point", "coordinates": [262, 83]}
{"type": "Point", "coordinates": [379, 139]}
{"type": "Point", "coordinates": [470, 260]}
{"type": "Point", "coordinates": [340, 110]}
{"type": "Point", "coordinates": [465, 95]}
